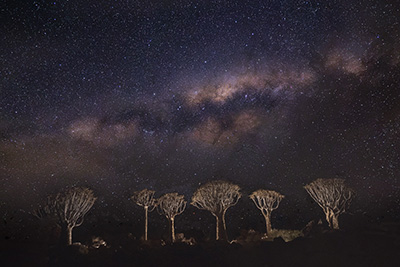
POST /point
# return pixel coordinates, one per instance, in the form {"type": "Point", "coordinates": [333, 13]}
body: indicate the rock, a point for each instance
{"type": "Point", "coordinates": [313, 228]}
{"type": "Point", "coordinates": [81, 249]}
{"type": "Point", "coordinates": [98, 242]}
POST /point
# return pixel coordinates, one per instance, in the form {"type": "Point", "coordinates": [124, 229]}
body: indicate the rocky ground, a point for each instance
{"type": "Point", "coordinates": [375, 245]}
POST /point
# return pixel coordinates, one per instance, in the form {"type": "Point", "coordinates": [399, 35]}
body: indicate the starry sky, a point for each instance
{"type": "Point", "coordinates": [125, 95]}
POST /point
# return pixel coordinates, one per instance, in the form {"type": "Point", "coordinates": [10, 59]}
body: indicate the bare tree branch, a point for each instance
{"type": "Point", "coordinates": [69, 208]}
{"type": "Point", "coordinates": [216, 197]}
{"type": "Point", "coordinates": [266, 201]}
{"type": "Point", "coordinates": [333, 196]}
{"type": "Point", "coordinates": [145, 199]}
{"type": "Point", "coordinates": [171, 205]}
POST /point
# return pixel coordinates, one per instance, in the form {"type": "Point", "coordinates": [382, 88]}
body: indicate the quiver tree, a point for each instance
{"type": "Point", "coordinates": [170, 205]}
{"type": "Point", "coordinates": [333, 196]}
{"type": "Point", "coordinates": [266, 201]}
{"type": "Point", "coordinates": [68, 208]}
{"type": "Point", "coordinates": [145, 199]}
{"type": "Point", "coordinates": [216, 197]}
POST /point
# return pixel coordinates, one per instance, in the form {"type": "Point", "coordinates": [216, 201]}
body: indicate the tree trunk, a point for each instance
{"type": "Point", "coordinates": [145, 222]}
{"type": "Point", "coordinates": [173, 230]}
{"type": "Point", "coordinates": [332, 219]}
{"type": "Point", "coordinates": [335, 222]}
{"type": "Point", "coordinates": [328, 215]}
{"type": "Point", "coordinates": [268, 225]}
{"type": "Point", "coordinates": [217, 229]}
{"type": "Point", "coordinates": [69, 240]}
{"type": "Point", "coordinates": [220, 231]}
{"type": "Point", "coordinates": [225, 233]}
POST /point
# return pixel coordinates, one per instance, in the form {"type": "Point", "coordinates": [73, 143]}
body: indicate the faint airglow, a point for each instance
{"type": "Point", "coordinates": [92, 130]}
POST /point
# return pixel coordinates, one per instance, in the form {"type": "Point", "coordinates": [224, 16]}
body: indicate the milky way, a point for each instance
{"type": "Point", "coordinates": [169, 94]}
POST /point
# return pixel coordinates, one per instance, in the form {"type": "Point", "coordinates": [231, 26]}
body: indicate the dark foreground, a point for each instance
{"type": "Point", "coordinates": [376, 246]}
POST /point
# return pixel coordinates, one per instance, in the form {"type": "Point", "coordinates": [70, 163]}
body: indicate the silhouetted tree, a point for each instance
{"type": "Point", "coordinates": [333, 196]}
{"type": "Point", "coordinates": [266, 201]}
{"type": "Point", "coordinates": [45, 210]}
{"type": "Point", "coordinates": [216, 197]}
{"type": "Point", "coordinates": [69, 208]}
{"type": "Point", "coordinates": [145, 199]}
{"type": "Point", "coordinates": [170, 205]}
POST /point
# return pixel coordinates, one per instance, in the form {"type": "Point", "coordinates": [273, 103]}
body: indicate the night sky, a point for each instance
{"type": "Point", "coordinates": [166, 95]}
